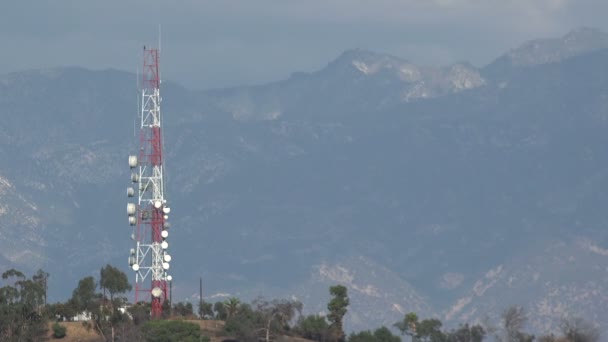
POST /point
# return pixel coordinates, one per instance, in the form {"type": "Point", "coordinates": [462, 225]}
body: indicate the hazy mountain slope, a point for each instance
{"type": "Point", "coordinates": [551, 282]}
{"type": "Point", "coordinates": [357, 81]}
{"type": "Point", "coordinates": [22, 232]}
{"type": "Point", "coordinates": [549, 50]}
{"type": "Point", "coordinates": [447, 191]}
{"type": "Point", "coordinates": [65, 133]}
{"type": "Point", "coordinates": [450, 204]}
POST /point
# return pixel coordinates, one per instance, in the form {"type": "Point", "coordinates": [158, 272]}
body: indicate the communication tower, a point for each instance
{"type": "Point", "coordinates": [148, 213]}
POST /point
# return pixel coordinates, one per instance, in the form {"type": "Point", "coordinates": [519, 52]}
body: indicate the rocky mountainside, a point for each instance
{"type": "Point", "coordinates": [553, 50]}
{"type": "Point", "coordinates": [450, 191]}
{"type": "Point", "coordinates": [357, 81]}
{"type": "Point", "coordinates": [549, 50]}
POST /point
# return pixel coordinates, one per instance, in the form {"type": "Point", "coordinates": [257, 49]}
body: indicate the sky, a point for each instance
{"type": "Point", "coordinates": [223, 43]}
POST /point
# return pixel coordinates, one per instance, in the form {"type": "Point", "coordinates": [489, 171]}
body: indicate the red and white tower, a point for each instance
{"type": "Point", "coordinates": [148, 216]}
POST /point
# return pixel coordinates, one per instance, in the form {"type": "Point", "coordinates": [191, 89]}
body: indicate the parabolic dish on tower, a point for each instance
{"type": "Point", "coordinates": [156, 292]}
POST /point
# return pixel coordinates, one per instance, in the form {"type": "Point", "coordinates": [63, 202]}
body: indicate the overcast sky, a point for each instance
{"type": "Point", "coordinates": [231, 42]}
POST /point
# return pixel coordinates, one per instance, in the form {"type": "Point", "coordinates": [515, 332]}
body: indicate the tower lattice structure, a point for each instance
{"type": "Point", "coordinates": [148, 215]}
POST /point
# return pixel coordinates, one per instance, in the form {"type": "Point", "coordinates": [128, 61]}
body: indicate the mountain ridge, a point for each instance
{"type": "Point", "coordinates": [431, 205]}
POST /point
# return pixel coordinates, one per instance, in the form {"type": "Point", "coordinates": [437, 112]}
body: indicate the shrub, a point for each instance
{"type": "Point", "coordinates": [161, 331]}
{"type": "Point", "coordinates": [59, 331]}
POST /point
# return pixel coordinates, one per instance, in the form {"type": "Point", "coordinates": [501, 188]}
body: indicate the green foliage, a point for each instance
{"type": "Point", "coordinates": [467, 333]}
{"type": "Point", "coordinates": [363, 336]}
{"type": "Point", "coordinates": [547, 338]}
{"type": "Point", "coordinates": [232, 306]}
{"type": "Point", "coordinates": [313, 327]}
{"type": "Point", "coordinates": [380, 335]}
{"type": "Point", "coordinates": [41, 278]}
{"type": "Point", "coordinates": [514, 319]}
{"type": "Point", "coordinates": [13, 273]}
{"type": "Point", "coordinates": [183, 309]}
{"type": "Point", "coordinates": [21, 300]}
{"type": "Point", "coordinates": [205, 310]}
{"type": "Point", "coordinates": [84, 297]}
{"type": "Point", "coordinates": [171, 331]}
{"type": "Point", "coordinates": [576, 329]}
{"type": "Point", "coordinates": [166, 310]}
{"type": "Point", "coordinates": [429, 330]}
{"type": "Point", "coordinates": [337, 309]}
{"type": "Point", "coordinates": [24, 315]}
{"type": "Point", "coordinates": [60, 311]}
{"type": "Point", "coordinates": [220, 311]}
{"type": "Point", "coordinates": [140, 312]}
{"type": "Point", "coordinates": [407, 326]}
{"type": "Point", "coordinates": [59, 331]}
{"type": "Point", "coordinates": [113, 280]}
{"type": "Point", "coordinates": [106, 319]}
{"type": "Point", "coordinates": [276, 315]}
{"type": "Point", "coordinates": [267, 319]}
{"type": "Point", "coordinates": [244, 325]}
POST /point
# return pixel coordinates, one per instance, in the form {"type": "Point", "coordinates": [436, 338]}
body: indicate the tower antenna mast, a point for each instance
{"type": "Point", "coordinates": [148, 214]}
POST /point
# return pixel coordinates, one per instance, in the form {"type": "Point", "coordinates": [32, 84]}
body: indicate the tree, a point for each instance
{"type": "Point", "coordinates": [60, 311]}
{"type": "Point", "coordinates": [232, 306]}
{"type": "Point", "coordinates": [140, 313]}
{"type": "Point", "coordinates": [245, 324]}
{"type": "Point", "coordinates": [337, 309]}
{"type": "Point", "coordinates": [58, 330]}
{"type": "Point", "coordinates": [382, 334]}
{"type": "Point", "coordinates": [84, 297]}
{"type": "Point", "coordinates": [467, 333]}
{"type": "Point", "coordinates": [362, 336]}
{"type": "Point", "coordinates": [167, 310]}
{"type": "Point", "coordinates": [513, 321]}
{"type": "Point", "coordinates": [86, 300]}
{"type": "Point", "coordinates": [408, 325]}
{"type": "Point", "coordinates": [429, 330]}
{"type": "Point", "coordinates": [166, 331]}
{"type": "Point", "coordinates": [20, 300]}
{"type": "Point", "coordinates": [276, 314]}
{"type": "Point", "coordinates": [41, 278]}
{"type": "Point", "coordinates": [205, 310]}
{"type": "Point", "coordinates": [220, 311]}
{"type": "Point", "coordinates": [576, 329]}
{"type": "Point", "coordinates": [548, 338]}
{"type": "Point", "coordinates": [114, 281]}
{"type": "Point", "coordinates": [183, 309]}
{"type": "Point", "coordinates": [313, 327]}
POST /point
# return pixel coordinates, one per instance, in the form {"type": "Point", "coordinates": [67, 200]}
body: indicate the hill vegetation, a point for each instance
{"type": "Point", "coordinates": [91, 315]}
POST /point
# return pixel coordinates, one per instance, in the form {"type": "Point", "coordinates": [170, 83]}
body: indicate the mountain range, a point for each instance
{"type": "Point", "coordinates": [450, 191]}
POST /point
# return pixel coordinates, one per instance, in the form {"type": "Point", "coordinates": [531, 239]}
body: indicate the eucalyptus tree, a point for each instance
{"type": "Point", "coordinates": [20, 302]}
{"type": "Point", "coordinates": [337, 307]}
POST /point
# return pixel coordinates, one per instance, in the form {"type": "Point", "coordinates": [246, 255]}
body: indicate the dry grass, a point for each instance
{"type": "Point", "coordinates": [209, 326]}
{"type": "Point", "coordinates": [75, 332]}
{"type": "Point", "coordinates": [212, 329]}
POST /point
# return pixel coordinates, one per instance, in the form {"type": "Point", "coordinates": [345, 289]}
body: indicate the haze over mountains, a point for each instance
{"type": "Point", "coordinates": [451, 191]}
